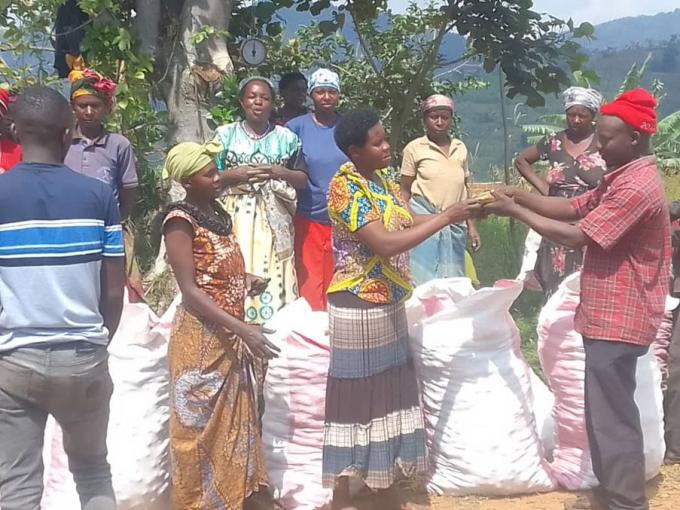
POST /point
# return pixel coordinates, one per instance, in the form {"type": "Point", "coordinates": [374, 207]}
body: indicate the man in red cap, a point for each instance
{"type": "Point", "coordinates": [624, 225]}
{"type": "Point", "coordinates": [10, 151]}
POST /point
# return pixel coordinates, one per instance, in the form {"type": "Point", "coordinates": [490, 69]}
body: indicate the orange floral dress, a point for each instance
{"type": "Point", "coordinates": [216, 450]}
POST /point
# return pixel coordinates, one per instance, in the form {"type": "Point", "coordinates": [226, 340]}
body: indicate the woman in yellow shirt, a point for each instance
{"type": "Point", "coordinates": [434, 174]}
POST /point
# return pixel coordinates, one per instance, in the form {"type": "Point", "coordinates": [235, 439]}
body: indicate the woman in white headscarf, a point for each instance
{"type": "Point", "coordinates": [574, 167]}
{"type": "Point", "coordinates": [321, 159]}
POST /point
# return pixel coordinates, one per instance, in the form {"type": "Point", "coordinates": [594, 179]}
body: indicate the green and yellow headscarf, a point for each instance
{"type": "Point", "coordinates": [187, 159]}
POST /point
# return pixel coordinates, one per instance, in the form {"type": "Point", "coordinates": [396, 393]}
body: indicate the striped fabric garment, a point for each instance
{"type": "Point", "coordinates": [374, 426]}
{"type": "Point", "coordinates": [56, 227]}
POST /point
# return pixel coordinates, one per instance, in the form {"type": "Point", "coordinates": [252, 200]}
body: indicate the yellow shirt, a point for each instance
{"type": "Point", "coordinates": [439, 178]}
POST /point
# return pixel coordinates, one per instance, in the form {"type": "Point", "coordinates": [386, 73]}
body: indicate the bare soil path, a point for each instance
{"type": "Point", "coordinates": [664, 493]}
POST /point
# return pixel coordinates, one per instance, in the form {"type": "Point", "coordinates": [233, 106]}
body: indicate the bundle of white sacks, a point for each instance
{"type": "Point", "coordinates": [138, 424]}
{"type": "Point", "coordinates": [489, 418]}
{"type": "Point", "coordinates": [562, 357]}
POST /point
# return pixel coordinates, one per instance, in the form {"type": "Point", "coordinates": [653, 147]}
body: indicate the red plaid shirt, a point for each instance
{"type": "Point", "coordinates": [624, 279]}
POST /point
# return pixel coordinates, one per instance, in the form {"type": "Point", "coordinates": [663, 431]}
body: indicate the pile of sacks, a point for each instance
{"type": "Point", "coordinates": [138, 424]}
{"type": "Point", "coordinates": [478, 392]}
{"type": "Point", "coordinates": [562, 358]}
{"type": "Point", "coordinates": [491, 422]}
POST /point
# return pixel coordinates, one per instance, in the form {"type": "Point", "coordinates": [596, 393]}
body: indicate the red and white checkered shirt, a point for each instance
{"type": "Point", "coordinates": [624, 279]}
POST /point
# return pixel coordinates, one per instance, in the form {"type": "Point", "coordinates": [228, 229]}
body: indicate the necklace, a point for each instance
{"type": "Point", "coordinates": [219, 223]}
{"type": "Point", "coordinates": [252, 135]}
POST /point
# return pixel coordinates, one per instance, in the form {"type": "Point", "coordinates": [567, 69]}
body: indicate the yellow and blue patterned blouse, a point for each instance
{"type": "Point", "coordinates": [354, 201]}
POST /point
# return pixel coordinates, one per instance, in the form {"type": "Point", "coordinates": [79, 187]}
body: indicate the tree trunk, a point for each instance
{"type": "Point", "coordinates": [400, 118]}
{"type": "Point", "coordinates": [147, 24]}
{"type": "Point", "coordinates": [186, 94]}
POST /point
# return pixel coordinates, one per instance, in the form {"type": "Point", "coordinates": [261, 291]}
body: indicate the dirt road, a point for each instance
{"type": "Point", "coordinates": [664, 493]}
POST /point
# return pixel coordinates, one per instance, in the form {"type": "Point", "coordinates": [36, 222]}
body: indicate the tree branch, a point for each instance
{"type": "Point", "coordinates": [426, 65]}
{"type": "Point", "coordinates": [363, 43]}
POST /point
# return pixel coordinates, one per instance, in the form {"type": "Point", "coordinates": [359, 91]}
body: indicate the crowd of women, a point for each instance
{"type": "Point", "coordinates": [303, 203]}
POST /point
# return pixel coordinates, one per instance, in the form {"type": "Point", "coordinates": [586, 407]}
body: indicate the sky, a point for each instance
{"type": "Point", "coordinates": [595, 11]}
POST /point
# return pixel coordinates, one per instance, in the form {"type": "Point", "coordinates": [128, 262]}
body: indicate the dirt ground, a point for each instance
{"type": "Point", "coordinates": [664, 493]}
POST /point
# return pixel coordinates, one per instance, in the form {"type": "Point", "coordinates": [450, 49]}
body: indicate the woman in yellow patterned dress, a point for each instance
{"type": "Point", "coordinates": [258, 165]}
{"type": "Point", "coordinates": [214, 357]}
{"type": "Point", "coordinates": [373, 423]}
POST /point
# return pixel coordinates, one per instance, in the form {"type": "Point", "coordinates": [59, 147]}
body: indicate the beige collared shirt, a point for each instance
{"type": "Point", "coordinates": [439, 178]}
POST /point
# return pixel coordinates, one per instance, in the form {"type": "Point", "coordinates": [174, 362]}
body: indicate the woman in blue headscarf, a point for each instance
{"type": "Point", "coordinates": [322, 159]}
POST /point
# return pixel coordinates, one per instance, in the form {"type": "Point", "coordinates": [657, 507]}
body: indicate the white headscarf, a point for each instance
{"type": "Point", "coordinates": [590, 98]}
{"type": "Point", "coordinates": [323, 78]}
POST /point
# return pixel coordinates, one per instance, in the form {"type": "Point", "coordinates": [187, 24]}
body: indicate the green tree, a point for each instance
{"type": "Point", "coordinates": [399, 58]}
{"type": "Point", "coordinates": [171, 57]}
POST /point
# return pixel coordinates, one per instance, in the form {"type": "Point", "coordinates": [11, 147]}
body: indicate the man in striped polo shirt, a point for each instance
{"type": "Point", "coordinates": [61, 296]}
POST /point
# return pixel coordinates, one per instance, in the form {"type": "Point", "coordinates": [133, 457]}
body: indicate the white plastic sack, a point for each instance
{"type": "Point", "coordinates": [662, 342]}
{"type": "Point", "coordinates": [295, 395]}
{"type": "Point", "coordinates": [476, 390]}
{"type": "Point", "coordinates": [562, 356]}
{"type": "Point", "coordinates": [544, 401]}
{"type": "Point", "coordinates": [138, 425]}
{"type": "Point", "coordinates": [526, 273]}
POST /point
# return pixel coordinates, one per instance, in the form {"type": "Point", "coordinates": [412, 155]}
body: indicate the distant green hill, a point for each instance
{"type": "Point", "coordinates": [638, 30]}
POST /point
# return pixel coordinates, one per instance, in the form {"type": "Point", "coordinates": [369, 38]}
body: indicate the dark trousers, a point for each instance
{"type": "Point", "coordinates": [672, 396]}
{"type": "Point", "coordinates": [613, 423]}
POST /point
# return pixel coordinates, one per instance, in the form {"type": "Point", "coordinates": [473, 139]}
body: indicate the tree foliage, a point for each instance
{"type": "Point", "coordinates": [399, 58]}
{"type": "Point", "coordinates": [177, 61]}
{"type": "Point", "coordinates": [397, 50]}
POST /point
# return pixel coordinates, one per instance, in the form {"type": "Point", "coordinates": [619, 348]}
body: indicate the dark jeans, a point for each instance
{"type": "Point", "coordinates": [672, 396]}
{"type": "Point", "coordinates": [70, 381]}
{"type": "Point", "coordinates": [613, 423]}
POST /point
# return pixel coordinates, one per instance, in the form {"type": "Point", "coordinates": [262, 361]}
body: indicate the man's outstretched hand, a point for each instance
{"type": "Point", "coordinates": [504, 205]}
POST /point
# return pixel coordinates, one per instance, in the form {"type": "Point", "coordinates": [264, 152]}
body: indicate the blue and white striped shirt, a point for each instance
{"type": "Point", "coordinates": [55, 228]}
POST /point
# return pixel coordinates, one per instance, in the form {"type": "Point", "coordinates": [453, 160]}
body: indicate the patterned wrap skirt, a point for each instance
{"type": "Point", "coordinates": [374, 425]}
{"type": "Point", "coordinates": [215, 445]}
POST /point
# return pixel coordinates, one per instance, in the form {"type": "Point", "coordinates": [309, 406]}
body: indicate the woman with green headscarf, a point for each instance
{"type": "Point", "coordinates": [215, 358]}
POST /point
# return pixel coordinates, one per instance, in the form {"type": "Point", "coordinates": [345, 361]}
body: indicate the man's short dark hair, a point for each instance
{"type": "Point", "coordinates": [353, 128]}
{"type": "Point", "coordinates": [290, 78]}
{"type": "Point", "coordinates": [41, 114]}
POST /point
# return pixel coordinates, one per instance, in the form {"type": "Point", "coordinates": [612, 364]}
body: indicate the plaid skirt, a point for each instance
{"type": "Point", "coordinates": [374, 425]}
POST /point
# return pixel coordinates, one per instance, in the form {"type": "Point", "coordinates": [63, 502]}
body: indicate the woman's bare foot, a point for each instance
{"type": "Point", "coordinates": [388, 499]}
{"type": "Point", "coordinates": [342, 500]}
{"type": "Point", "coordinates": [262, 500]}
